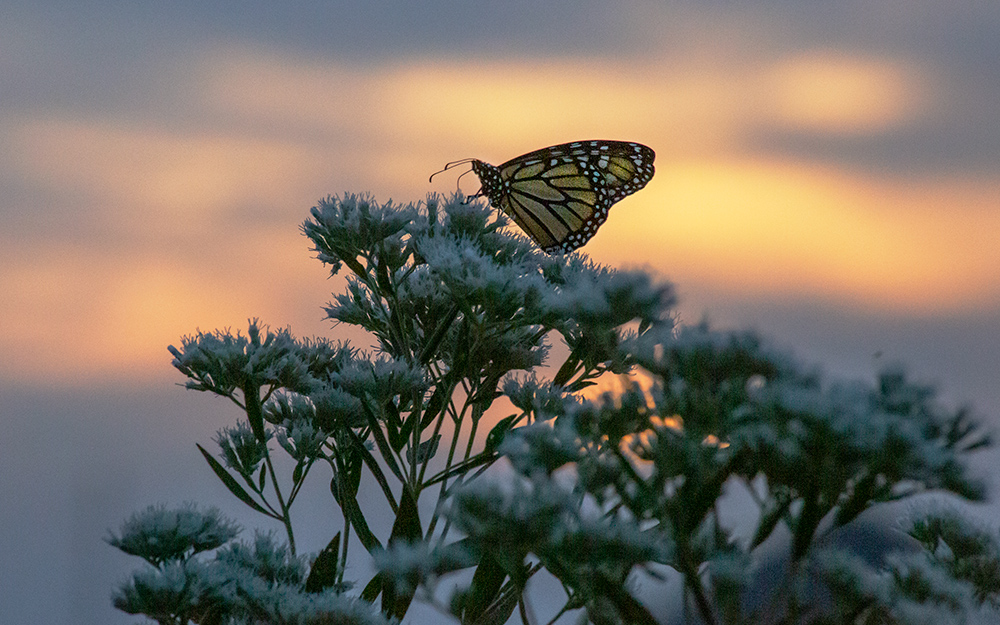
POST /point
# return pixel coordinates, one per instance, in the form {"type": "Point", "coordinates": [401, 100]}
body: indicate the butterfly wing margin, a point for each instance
{"type": "Point", "coordinates": [626, 167]}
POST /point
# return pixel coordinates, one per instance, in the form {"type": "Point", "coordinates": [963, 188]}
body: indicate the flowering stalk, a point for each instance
{"type": "Point", "coordinates": [601, 487]}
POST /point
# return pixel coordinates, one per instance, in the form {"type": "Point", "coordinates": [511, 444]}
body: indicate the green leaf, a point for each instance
{"type": "Point", "coordinates": [214, 613]}
{"type": "Point", "coordinates": [394, 426]}
{"type": "Point", "coordinates": [255, 411]}
{"type": "Point", "coordinates": [233, 486]}
{"type": "Point", "coordinates": [349, 503]}
{"type": "Point", "coordinates": [431, 347]}
{"type": "Point", "coordinates": [425, 450]}
{"type": "Point", "coordinates": [353, 466]}
{"type": "Point", "coordinates": [496, 435]}
{"type": "Point", "coordinates": [804, 527]}
{"type": "Point", "coordinates": [462, 342]}
{"type": "Point", "coordinates": [770, 515]}
{"type": "Point", "coordinates": [353, 264]}
{"type": "Point", "coordinates": [297, 472]}
{"type": "Point", "coordinates": [375, 468]}
{"type": "Point", "coordinates": [336, 488]}
{"type": "Point", "coordinates": [406, 428]}
{"type": "Point", "coordinates": [383, 445]}
{"type": "Point", "coordinates": [262, 478]}
{"type": "Point", "coordinates": [487, 391]}
{"type": "Point", "coordinates": [323, 573]}
{"type": "Point", "coordinates": [503, 604]}
{"type": "Point", "coordinates": [407, 525]}
{"type": "Point", "coordinates": [436, 403]}
{"type": "Point", "coordinates": [457, 552]}
{"type": "Point", "coordinates": [513, 563]}
{"type": "Point", "coordinates": [485, 587]}
{"type": "Point", "coordinates": [859, 499]}
{"type": "Point", "coordinates": [382, 275]}
{"type": "Point", "coordinates": [372, 589]}
{"type": "Point", "coordinates": [568, 369]}
{"type": "Point", "coordinates": [500, 610]}
{"type": "Point", "coordinates": [629, 609]}
{"type": "Point", "coordinates": [461, 467]}
{"type": "Point", "coordinates": [579, 385]}
{"type": "Point", "coordinates": [406, 529]}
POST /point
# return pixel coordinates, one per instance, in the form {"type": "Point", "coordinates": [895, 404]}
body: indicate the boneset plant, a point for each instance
{"type": "Point", "coordinates": [594, 488]}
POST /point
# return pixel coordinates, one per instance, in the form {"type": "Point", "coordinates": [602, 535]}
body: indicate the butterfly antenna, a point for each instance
{"type": "Point", "coordinates": [449, 166]}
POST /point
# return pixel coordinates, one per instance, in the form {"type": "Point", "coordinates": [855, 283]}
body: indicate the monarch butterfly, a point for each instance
{"type": "Point", "coordinates": [561, 195]}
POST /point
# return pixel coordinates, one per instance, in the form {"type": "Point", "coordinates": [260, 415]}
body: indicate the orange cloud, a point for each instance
{"type": "Point", "coordinates": [149, 179]}
{"type": "Point", "coordinates": [413, 116]}
{"type": "Point", "coordinates": [86, 314]}
{"type": "Point", "coordinates": [793, 230]}
{"type": "Point", "coordinates": [834, 93]}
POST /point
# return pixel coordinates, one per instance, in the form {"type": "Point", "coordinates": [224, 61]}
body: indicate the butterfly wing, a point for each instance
{"type": "Point", "coordinates": [561, 195]}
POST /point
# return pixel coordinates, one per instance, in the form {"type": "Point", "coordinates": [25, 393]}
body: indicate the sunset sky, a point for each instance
{"type": "Point", "coordinates": [828, 173]}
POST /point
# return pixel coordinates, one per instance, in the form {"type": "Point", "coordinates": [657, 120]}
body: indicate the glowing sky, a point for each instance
{"type": "Point", "coordinates": [160, 191]}
{"type": "Point", "coordinates": [827, 172]}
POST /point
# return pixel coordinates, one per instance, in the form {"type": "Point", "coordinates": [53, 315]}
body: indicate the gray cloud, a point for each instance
{"type": "Point", "coordinates": [98, 56]}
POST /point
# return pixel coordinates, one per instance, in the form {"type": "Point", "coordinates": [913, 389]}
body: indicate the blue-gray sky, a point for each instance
{"type": "Point", "coordinates": [826, 172]}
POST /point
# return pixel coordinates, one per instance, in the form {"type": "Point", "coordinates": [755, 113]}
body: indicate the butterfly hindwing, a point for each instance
{"type": "Point", "coordinates": [560, 195]}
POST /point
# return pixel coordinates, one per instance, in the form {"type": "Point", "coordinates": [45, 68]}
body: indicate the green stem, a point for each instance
{"type": "Point", "coordinates": [438, 422]}
{"type": "Point", "coordinates": [302, 480]}
{"type": "Point", "coordinates": [342, 567]}
{"type": "Point", "coordinates": [476, 416]}
{"type": "Point", "coordinates": [372, 464]}
{"type": "Point", "coordinates": [448, 463]}
{"type": "Point", "coordinates": [255, 415]}
{"type": "Point", "coordinates": [285, 510]}
{"type": "Point", "coordinates": [693, 582]}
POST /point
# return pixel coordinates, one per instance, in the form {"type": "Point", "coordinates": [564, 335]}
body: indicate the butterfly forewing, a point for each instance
{"type": "Point", "coordinates": [560, 195]}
